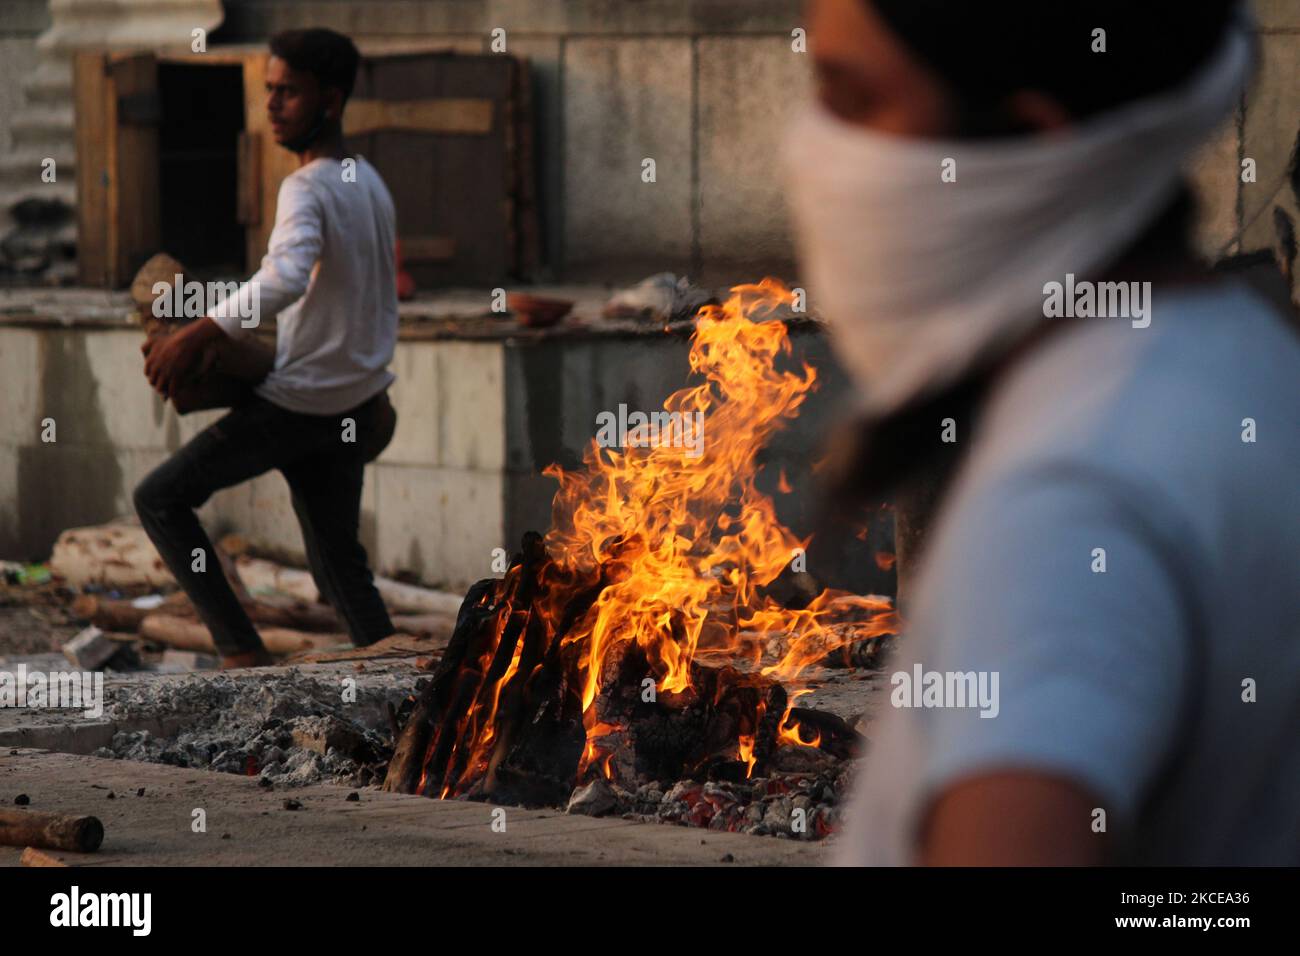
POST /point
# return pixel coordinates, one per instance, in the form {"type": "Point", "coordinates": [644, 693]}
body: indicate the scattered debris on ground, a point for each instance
{"type": "Point", "coordinates": [108, 603]}
{"type": "Point", "coordinates": [788, 806]}
{"type": "Point", "coordinates": [660, 298]}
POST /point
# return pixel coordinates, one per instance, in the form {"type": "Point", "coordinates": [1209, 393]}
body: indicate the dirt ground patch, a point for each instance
{"type": "Point", "coordinates": [30, 625]}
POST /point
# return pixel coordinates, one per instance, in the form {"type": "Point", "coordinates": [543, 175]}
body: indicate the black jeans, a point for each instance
{"type": "Point", "coordinates": [324, 473]}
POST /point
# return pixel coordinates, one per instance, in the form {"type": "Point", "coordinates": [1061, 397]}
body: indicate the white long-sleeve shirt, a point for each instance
{"type": "Point", "coordinates": [1120, 549]}
{"type": "Point", "coordinates": [329, 275]}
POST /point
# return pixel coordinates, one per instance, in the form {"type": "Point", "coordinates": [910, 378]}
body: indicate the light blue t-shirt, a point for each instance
{"type": "Point", "coordinates": [1167, 685]}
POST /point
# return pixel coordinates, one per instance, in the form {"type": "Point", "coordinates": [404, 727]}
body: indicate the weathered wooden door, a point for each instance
{"type": "Point", "coordinates": [117, 116]}
{"type": "Point", "coordinates": [447, 133]}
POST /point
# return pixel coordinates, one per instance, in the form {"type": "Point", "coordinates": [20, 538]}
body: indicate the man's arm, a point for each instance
{"type": "Point", "coordinates": [292, 252]}
{"type": "Point", "coordinates": [1085, 675]}
{"type": "Point", "coordinates": [1012, 818]}
{"type": "Point", "coordinates": [168, 361]}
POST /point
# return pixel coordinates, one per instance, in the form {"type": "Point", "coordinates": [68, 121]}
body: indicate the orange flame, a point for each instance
{"type": "Point", "coordinates": [680, 545]}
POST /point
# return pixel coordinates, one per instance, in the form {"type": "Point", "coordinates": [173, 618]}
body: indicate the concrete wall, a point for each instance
{"type": "Point", "coordinates": [477, 422]}
{"type": "Point", "coordinates": [556, 389]}
{"type": "Point", "coordinates": [108, 431]}
{"type": "Point", "coordinates": [440, 481]}
{"type": "Point", "coordinates": [704, 88]}
{"type": "Point", "coordinates": [701, 87]}
{"type": "Point", "coordinates": [21, 21]}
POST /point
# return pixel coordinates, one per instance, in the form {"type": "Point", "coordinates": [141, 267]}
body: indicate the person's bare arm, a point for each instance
{"type": "Point", "coordinates": [1012, 818]}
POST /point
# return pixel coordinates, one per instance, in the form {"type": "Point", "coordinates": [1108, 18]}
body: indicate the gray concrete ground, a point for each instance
{"type": "Point", "coordinates": [247, 825]}
{"type": "Point", "coordinates": [49, 756]}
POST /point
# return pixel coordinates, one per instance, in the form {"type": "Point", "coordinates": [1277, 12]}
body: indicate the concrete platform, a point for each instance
{"type": "Point", "coordinates": [846, 693]}
{"type": "Point", "coordinates": [70, 731]}
{"type": "Point", "coordinates": [247, 825]}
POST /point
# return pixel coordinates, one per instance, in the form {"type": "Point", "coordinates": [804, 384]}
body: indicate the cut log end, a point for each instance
{"type": "Point", "coordinates": [50, 831]}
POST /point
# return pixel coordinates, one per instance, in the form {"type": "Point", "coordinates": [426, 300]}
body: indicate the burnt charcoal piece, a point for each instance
{"type": "Point", "coordinates": [769, 727]}
{"type": "Point", "coordinates": [728, 771]}
{"type": "Point", "coordinates": [870, 653]}
{"type": "Point", "coordinates": [666, 742]}
{"type": "Point", "coordinates": [540, 769]}
{"type": "Point", "coordinates": [407, 764]}
{"type": "Point", "coordinates": [837, 738]}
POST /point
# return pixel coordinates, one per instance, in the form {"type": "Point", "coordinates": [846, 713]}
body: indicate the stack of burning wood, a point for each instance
{"type": "Point", "coordinates": [506, 672]}
{"type": "Point", "coordinates": [639, 646]}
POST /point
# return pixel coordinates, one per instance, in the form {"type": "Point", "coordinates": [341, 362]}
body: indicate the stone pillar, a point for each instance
{"type": "Point", "coordinates": [127, 24]}
{"type": "Point", "coordinates": [40, 234]}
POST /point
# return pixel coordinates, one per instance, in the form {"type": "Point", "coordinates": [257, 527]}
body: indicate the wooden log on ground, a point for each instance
{"type": "Point", "coordinates": [395, 645]}
{"type": "Point", "coordinates": [412, 599]}
{"type": "Point", "coordinates": [242, 546]}
{"type": "Point", "coordinates": [838, 738]}
{"type": "Point", "coordinates": [298, 615]}
{"type": "Point", "coordinates": [91, 649]}
{"type": "Point", "coordinates": [50, 831]}
{"type": "Point", "coordinates": [259, 574]}
{"type": "Point", "coordinates": [121, 555]}
{"type": "Point", "coordinates": [191, 635]}
{"type": "Point", "coordinates": [293, 613]}
{"type": "Point", "coordinates": [34, 857]}
{"type": "Point", "coordinates": [228, 569]}
{"type": "Point", "coordinates": [110, 615]}
{"type": "Point", "coordinates": [451, 750]}
{"type": "Point", "coordinates": [112, 555]}
{"type": "Point", "coordinates": [407, 763]}
{"type": "Point", "coordinates": [768, 732]}
{"type": "Point", "coordinates": [425, 625]}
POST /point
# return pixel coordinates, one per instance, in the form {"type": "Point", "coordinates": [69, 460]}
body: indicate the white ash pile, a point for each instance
{"type": "Point", "coordinates": [288, 729]}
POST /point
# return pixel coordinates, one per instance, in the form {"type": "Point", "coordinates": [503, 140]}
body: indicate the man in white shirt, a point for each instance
{"type": "Point", "coordinates": [322, 411]}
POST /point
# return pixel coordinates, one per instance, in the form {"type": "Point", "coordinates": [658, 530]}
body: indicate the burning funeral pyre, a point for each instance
{"type": "Point", "coordinates": [636, 644]}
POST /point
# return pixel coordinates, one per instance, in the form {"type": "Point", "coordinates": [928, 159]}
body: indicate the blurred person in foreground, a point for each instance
{"type": "Point", "coordinates": [1117, 534]}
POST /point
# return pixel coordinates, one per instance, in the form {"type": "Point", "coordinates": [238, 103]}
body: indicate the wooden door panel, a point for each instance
{"type": "Point", "coordinates": [118, 212]}
{"type": "Point", "coordinates": [442, 146]}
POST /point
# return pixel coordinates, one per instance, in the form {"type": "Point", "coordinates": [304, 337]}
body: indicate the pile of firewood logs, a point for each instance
{"type": "Point", "coordinates": [284, 603]}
